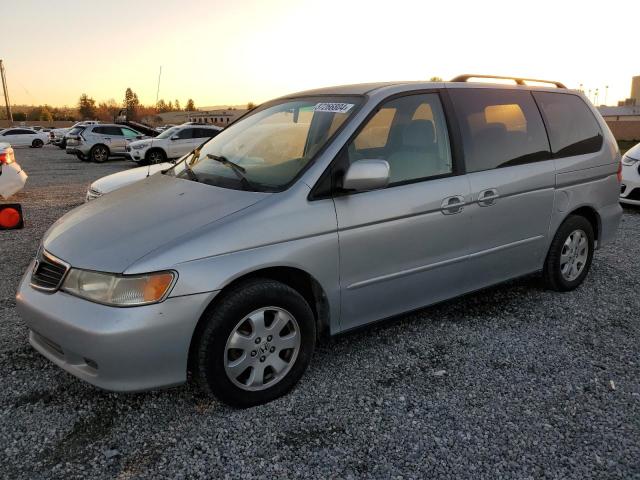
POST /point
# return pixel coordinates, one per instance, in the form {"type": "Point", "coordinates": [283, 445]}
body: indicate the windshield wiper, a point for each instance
{"type": "Point", "coordinates": [187, 168]}
{"type": "Point", "coordinates": [237, 169]}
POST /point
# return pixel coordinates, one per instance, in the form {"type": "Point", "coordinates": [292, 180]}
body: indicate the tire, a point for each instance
{"type": "Point", "coordinates": [37, 143]}
{"type": "Point", "coordinates": [214, 356]}
{"type": "Point", "coordinates": [82, 157]}
{"type": "Point", "coordinates": [155, 155]}
{"type": "Point", "coordinates": [63, 144]}
{"type": "Point", "coordinates": [570, 254]}
{"type": "Point", "coordinates": [99, 154]}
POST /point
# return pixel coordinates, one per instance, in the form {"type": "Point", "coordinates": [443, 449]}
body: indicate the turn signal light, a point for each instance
{"type": "Point", "coordinates": [11, 217]}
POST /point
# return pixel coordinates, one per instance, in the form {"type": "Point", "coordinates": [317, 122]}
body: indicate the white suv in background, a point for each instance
{"type": "Point", "coordinates": [172, 143]}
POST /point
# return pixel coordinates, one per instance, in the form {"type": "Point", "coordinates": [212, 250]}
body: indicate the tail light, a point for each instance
{"type": "Point", "coordinates": [620, 172]}
{"type": "Point", "coordinates": [7, 157]}
{"type": "Point", "coordinates": [11, 216]}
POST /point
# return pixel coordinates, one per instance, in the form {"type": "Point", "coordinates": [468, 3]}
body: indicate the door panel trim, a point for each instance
{"type": "Point", "coordinates": [431, 266]}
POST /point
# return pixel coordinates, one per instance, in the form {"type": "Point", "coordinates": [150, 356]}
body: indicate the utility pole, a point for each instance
{"type": "Point", "coordinates": [5, 90]}
{"type": "Point", "coordinates": [606, 93]}
{"type": "Point", "coordinates": [158, 90]}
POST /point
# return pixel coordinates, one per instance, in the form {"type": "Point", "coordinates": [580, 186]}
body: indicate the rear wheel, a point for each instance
{"type": "Point", "coordinates": [155, 156]}
{"type": "Point", "coordinates": [99, 154]}
{"type": "Point", "coordinates": [37, 143]}
{"type": "Point", "coordinates": [254, 346]}
{"type": "Point", "coordinates": [570, 254]}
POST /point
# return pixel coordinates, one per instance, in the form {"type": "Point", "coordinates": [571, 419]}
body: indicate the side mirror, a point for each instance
{"type": "Point", "coordinates": [175, 137]}
{"type": "Point", "coordinates": [365, 175]}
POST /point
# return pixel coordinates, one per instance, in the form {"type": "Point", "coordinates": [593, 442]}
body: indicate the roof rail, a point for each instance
{"type": "Point", "coordinates": [518, 80]}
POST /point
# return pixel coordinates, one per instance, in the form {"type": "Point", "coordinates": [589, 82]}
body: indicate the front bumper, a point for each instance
{"type": "Point", "coordinates": [137, 155]}
{"type": "Point", "coordinates": [119, 349]}
{"type": "Point", "coordinates": [630, 188]}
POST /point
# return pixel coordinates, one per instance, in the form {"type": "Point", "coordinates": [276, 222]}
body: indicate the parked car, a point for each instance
{"type": "Point", "coordinates": [12, 177]}
{"type": "Point", "coordinates": [57, 135]}
{"type": "Point", "coordinates": [23, 137]}
{"type": "Point", "coordinates": [118, 180]}
{"type": "Point", "coordinates": [318, 213]}
{"type": "Point", "coordinates": [172, 143]}
{"type": "Point", "coordinates": [630, 188]}
{"type": "Point", "coordinates": [98, 142]}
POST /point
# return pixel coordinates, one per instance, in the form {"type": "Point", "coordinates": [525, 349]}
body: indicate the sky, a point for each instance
{"type": "Point", "coordinates": [239, 51]}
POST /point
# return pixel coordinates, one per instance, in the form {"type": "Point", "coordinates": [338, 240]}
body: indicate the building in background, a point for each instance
{"type": "Point", "coordinates": [220, 118]}
{"type": "Point", "coordinates": [634, 98]}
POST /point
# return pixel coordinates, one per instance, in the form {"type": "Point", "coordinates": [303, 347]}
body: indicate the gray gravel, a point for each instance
{"type": "Point", "coordinates": [512, 382]}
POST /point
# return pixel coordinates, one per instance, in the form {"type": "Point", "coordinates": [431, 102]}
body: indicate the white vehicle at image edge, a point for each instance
{"type": "Point", "coordinates": [23, 137]}
{"type": "Point", "coordinates": [118, 180]}
{"type": "Point", "coordinates": [630, 187]}
{"type": "Point", "coordinates": [12, 177]}
{"type": "Point", "coordinates": [172, 143]}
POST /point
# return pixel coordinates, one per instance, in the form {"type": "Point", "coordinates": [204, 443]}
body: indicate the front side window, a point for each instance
{"type": "Point", "coordinates": [186, 133]}
{"type": "Point", "coordinates": [410, 133]}
{"type": "Point", "coordinates": [500, 128]}
{"type": "Point", "coordinates": [573, 130]}
{"type": "Point", "coordinates": [271, 145]}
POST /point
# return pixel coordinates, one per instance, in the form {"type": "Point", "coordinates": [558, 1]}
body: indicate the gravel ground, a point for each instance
{"type": "Point", "coordinates": [513, 382]}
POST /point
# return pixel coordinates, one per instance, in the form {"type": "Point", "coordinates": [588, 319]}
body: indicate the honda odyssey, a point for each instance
{"type": "Point", "coordinates": [315, 214]}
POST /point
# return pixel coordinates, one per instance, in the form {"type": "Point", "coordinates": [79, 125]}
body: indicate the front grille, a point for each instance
{"type": "Point", "coordinates": [48, 272]}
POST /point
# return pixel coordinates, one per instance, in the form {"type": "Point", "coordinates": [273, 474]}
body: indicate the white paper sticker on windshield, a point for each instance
{"type": "Point", "coordinates": [333, 107]}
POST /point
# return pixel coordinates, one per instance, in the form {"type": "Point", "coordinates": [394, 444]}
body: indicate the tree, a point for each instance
{"type": "Point", "coordinates": [170, 106]}
{"type": "Point", "coordinates": [108, 110]}
{"type": "Point", "coordinates": [251, 106]}
{"type": "Point", "coordinates": [45, 115]}
{"type": "Point", "coordinates": [177, 105]}
{"type": "Point", "coordinates": [131, 103]}
{"type": "Point", "coordinates": [161, 106]}
{"type": "Point", "coordinates": [190, 106]}
{"type": "Point", "coordinates": [87, 107]}
{"type": "Point", "coordinates": [435, 79]}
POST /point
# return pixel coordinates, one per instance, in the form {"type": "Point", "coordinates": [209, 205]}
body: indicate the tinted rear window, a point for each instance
{"type": "Point", "coordinates": [500, 128]}
{"type": "Point", "coordinates": [573, 130]}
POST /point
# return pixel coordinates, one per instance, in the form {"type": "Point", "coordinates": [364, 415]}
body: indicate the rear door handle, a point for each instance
{"type": "Point", "coordinates": [452, 205]}
{"type": "Point", "coordinates": [488, 197]}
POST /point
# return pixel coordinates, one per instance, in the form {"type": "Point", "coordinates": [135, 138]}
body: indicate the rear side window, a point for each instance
{"type": "Point", "coordinates": [113, 131]}
{"type": "Point", "coordinates": [500, 128]}
{"type": "Point", "coordinates": [573, 130]}
{"type": "Point", "coordinates": [186, 133]}
{"type": "Point", "coordinates": [205, 133]}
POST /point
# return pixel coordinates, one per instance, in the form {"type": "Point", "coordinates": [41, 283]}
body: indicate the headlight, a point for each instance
{"type": "Point", "coordinates": [119, 290]}
{"type": "Point", "coordinates": [139, 146]}
{"type": "Point", "coordinates": [628, 160]}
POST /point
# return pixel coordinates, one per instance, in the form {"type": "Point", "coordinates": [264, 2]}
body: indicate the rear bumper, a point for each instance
{"type": "Point", "coordinates": [119, 349]}
{"type": "Point", "coordinates": [609, 221]}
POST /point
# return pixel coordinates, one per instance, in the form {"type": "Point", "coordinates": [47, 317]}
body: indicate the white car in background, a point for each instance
{"type": "Point", "coordinates": [118, 180]}
{"type": "Point", "coordinates": [23, 137]}
{"type": "Point", "coordinates": [630, 186]}
{"type": "Point", "coordinates": [172, 143]}
{"type": "Point", "coordinates": [12, 177]}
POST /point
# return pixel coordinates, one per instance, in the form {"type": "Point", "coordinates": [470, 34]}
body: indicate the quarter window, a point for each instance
{"type": "Point", "coordinates": [500, 128]}
{"type": "Point", "coordinates": [410, 133]}
{"type": "Point", "coordinates": [573, 130]}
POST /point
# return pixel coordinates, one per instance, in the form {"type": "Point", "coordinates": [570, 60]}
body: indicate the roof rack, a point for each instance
{"type": "Point", "coordinates": [518, 80]}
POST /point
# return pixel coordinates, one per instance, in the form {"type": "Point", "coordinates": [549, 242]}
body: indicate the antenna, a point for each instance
{"type": "Point", "coordinates": [5, 89]}
{"type": "Point", "coordinates": [157, 96]}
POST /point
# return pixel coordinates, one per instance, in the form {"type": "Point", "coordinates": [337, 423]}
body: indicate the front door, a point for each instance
{"type": "Point", "coordinates": [512, 178]}
{"type": "Point", "coordinates": [404, 246]}
{"type": "Point", "coordinates": [182, 142]}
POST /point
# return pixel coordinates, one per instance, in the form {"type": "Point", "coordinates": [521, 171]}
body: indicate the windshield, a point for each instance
{"type": "Point", "coordinates": [168, 133]}
{"type": "Point", "coordinates": [267, 149]}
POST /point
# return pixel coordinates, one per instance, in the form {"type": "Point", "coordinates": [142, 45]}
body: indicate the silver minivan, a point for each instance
{"type": "Point", "coordinates": [315, 214]}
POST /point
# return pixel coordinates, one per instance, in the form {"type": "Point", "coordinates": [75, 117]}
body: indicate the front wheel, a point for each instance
{"type": "Point", "coordinates": [254, 346]}
{"type": "Point", "coordinates": [155, 156]}
{"type": "Point", "coordinates": [37, 143]}
{"type": "Point", "coordinates": [570, 254]}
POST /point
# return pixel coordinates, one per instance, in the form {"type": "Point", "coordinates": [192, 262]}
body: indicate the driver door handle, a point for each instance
{"type": "Point", "coordinates": [488, 197]}
{"type": "Point", "coordinates": [452, 205]}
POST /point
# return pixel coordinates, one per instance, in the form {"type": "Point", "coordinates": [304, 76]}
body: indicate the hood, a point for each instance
{"type": "Point", "coordinates": [122, 179]}
{"type": "Point", "coordinates": [634, 152]}
{"type": "Point", "coordinates": [110, 233]}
